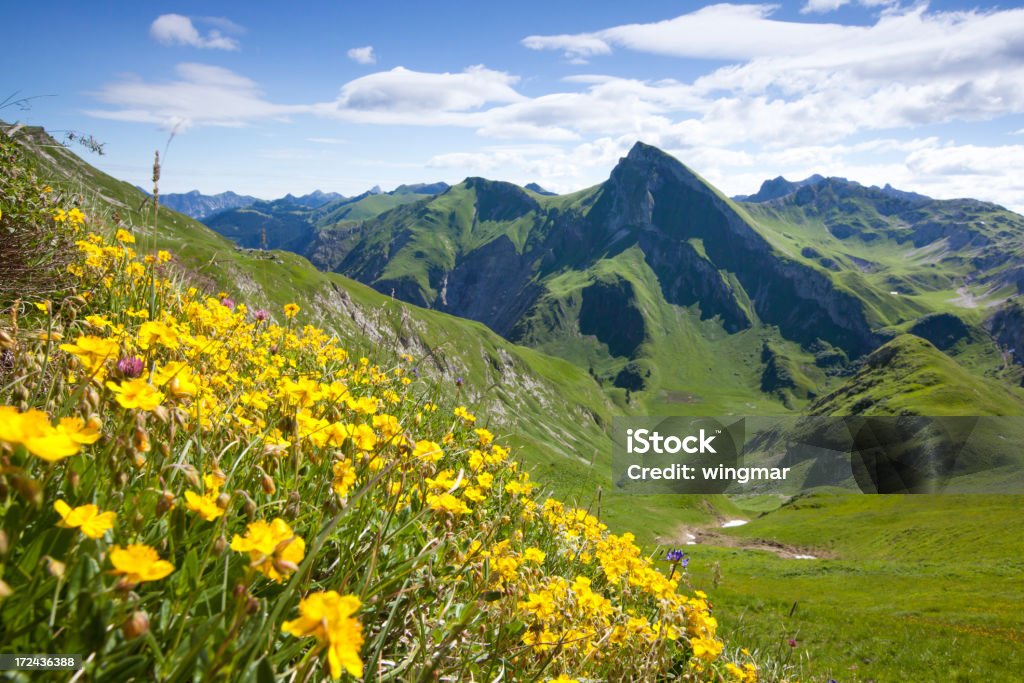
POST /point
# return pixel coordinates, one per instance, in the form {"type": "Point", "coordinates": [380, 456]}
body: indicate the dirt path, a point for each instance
{"type": "Point", "coordinates": [713, 536]}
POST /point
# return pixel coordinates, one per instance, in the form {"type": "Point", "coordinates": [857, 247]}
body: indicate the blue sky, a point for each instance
{"type": "Point", "coordinates": [267, 98]}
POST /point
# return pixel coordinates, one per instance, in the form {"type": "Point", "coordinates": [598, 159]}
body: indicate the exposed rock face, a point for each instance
{"type": "Point", "coordinates": [943, 330]}
{"type": "Point", "coordinates": [1007, 328]}
{"type": "Point", "coordinates": [779, 187]}
{"type": "Point", "coordinates": [609, 312]}
{"type": "Point", "coordinates": [491, 285]}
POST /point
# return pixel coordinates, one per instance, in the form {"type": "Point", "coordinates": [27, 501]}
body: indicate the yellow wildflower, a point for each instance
{"type": "Point", "coordinates": [205, 506]}
{"type": "Point", "coordinates": [33, 430]}
{"type": "Point", "coordinates": [428, 451]}
{"type": "Point", "coordinates": [88, 518]}
{"type": "Point", "coordinates": [80, 431]}
{"type": "Point", "coordinates": [136, 394]}
{"type": "Point", "coordinates": [273, 548]}
{"type": "Point", "coordinates": [534, 555]}
{"type": "Point", "coordinates": [344, 477]}
{"type": "Point", "coordinates": [155, 332]}
{"type": "Point", "coordinates": [291, 310]}
{"type": "Point", "coordinates": [92, 352]}
{"type": "Point", "coordinates": [139, 563]}
{"type": "Point", "coordinates": [707, 649]}
{"type": "Point", "coordinates": [327, 616]}
{"type": "Point", "coordinates": [125, 237]}
{"type": "Point", "coordinates": [446, 502]}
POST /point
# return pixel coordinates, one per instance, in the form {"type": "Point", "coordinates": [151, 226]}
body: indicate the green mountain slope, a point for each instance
{"type": "Point", "coordinates": [910, 376]}
{"type": "Point", "coordinates": [644, 278]}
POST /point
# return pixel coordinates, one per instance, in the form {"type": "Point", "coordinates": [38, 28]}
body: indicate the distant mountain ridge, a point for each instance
{"type": "Point", "coordinates": [779, 187]}
{"type": "Point", "coordinates": [292, 223]}
{"type": "Point", "coordinates": [199, 206]}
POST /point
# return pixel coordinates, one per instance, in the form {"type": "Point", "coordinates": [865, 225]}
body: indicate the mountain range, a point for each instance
{"type": "Point", "coordinates": [674, 296]}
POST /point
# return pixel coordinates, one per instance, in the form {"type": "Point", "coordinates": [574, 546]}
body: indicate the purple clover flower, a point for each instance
{"type": "Point", "coordinates": [228, 303]}
{"type": "Point", "coordinates": [131, 366]}
{"type": "Point", "coordinates": [261, 314]}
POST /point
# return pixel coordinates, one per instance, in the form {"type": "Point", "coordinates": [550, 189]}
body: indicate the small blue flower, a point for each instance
{"type": "Point", "coordinates": [677, 556]}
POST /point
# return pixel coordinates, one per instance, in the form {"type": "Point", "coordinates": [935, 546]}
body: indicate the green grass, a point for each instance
{"type": "Point", "coordinates": [911, 588]}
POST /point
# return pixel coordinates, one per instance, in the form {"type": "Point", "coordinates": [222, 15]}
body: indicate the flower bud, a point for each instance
{"type": "Point", "coordinates": [4, 545]}
{"type": "Point", "coordinates": [7, 341]}
{"type": "Point", "coordinates": [220, 545]}
{"type": "Point", "coordinates": [164, 503]}
{"type": "Point", "coordinates": [55, 568]}
{"type": "Point", "coordinates": [223, 500]}
{"type": "Point", "coordinates": [140, 439]}
{"type": "Point", "coordinates": [5, 590]}
{"type": "Point", "coordinates": [136, 625]}
{"type": "Point", "coordinates": [268, 485]}
{"type": "Point", "coordinates": [192, 475]}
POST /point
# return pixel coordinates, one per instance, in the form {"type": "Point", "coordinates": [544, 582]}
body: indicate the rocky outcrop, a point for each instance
{"type": "Point", "coordinates": [1007, 327]}
{"type": "Point", "coordinates": [609, 312]}
{"type": "Point", "coordinates": [491, 284]}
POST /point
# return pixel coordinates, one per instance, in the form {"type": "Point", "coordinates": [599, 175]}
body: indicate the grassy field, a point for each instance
{"type": "Point", "coordinates": [925, 584]}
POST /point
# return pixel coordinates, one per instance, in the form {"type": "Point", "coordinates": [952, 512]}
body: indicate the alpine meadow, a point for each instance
{"type": "Point", "coordinates": [665, 345]}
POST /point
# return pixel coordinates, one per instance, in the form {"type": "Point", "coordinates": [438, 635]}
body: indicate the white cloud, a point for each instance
{"type": "Point", "coordinates": [176, 29]}
{"type": "Point", "coordinates": [403, 96]}
{"type": "Point", "coordinates": [800, 82]}
{"type": "Point", "coordinates": [715, 32]}
{"type": "Point", "coordinates": [823, 5]}
{"type": "Point", "coordinates": [362, 55]}
{"type": "Point", "coordinates": [328, 141]}
{"type": "Point", "coordinates": [202, 95]}
{"type": "Point", "coordinates": [577, 47]}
